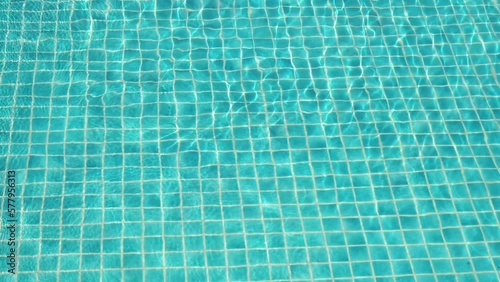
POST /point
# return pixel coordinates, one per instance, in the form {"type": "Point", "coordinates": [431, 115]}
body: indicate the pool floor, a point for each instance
{"type": "Point", "coordinates": [250, 140]}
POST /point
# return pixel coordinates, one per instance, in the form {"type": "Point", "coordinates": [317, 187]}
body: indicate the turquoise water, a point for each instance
{"type": "Point", "coordinates": [251, 140]}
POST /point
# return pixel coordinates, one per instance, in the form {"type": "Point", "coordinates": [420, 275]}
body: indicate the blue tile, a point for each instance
{"type": "Point", "coordinates": [316, 142]}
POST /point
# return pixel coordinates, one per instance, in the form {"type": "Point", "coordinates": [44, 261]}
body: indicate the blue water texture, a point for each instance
{"type": "Point", "coordinates": [294, 140]}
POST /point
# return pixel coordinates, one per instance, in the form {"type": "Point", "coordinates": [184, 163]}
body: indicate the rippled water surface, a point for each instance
{"type": "Point", "coordinates": [251, 140]}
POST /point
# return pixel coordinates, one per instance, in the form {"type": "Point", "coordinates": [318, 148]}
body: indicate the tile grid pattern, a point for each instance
{"type": "Point", "coordinates": [377, 162]}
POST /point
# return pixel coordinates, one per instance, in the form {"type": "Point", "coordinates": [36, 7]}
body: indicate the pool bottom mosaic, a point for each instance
{"type": "Point", "coordinates": [245, 141]}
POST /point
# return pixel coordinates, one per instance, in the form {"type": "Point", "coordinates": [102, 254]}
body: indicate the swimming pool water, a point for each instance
{"type": "Point", "coordinates": [251, 140]}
